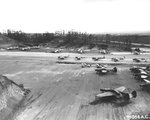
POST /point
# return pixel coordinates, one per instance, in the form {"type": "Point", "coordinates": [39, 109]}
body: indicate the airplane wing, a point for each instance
{"type": "Point", "coordinates": [144, 76]}
{"type": "Point", "coordinates": [120, 89]}
{"type": "Point", "coordinates": [109, 94]}
{"type": "Point", "coordinates": [147, 81]}
{"type": "Point", "coordinates": [100, 69]}
{"type": "Point", "coordinates": [105, 94]}
{"type": "Point", "coordinates": [104, 71]}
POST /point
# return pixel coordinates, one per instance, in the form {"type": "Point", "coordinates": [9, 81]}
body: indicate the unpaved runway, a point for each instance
{"type": "Point", "coordinates": [66, 92]}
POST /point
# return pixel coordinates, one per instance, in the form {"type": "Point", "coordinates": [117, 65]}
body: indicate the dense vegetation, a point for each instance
{"type": "Point", "coordinates": [78, 39]}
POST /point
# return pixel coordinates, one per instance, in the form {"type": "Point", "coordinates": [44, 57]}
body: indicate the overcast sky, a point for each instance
{"type": "Point", "coordinates": [93, 16]}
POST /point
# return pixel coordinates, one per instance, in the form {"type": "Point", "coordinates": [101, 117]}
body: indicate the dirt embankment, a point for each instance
{"type": "Point", "coordinates": [11, 97]}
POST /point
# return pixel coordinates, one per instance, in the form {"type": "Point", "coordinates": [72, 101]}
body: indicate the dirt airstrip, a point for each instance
{"type": "Point", "coordinates": [67, 91]}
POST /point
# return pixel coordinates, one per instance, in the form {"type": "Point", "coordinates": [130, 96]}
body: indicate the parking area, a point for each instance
{"type": "Point", "coordinates": [67, 91]}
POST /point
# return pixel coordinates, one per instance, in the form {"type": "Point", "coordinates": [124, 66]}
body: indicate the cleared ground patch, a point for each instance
{"type": "Point", "coordinates": [67, 92]}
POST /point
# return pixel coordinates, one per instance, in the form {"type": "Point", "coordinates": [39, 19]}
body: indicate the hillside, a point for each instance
{"type": "Point", "coordinates": [74, 40]}
{"type": "Point", "coordinates": [6, 42]}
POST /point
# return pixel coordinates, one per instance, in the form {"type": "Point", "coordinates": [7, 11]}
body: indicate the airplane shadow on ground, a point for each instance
{"type": "Point", "coordinates": [110, 101]}
{"type": "Point", "coordinates": [95, 102]}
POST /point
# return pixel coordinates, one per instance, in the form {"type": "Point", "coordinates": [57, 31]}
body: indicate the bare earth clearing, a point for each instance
{"type": "Point", "coordinates": [67, 91]}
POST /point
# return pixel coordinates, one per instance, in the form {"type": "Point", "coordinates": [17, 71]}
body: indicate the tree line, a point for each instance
{"type": "Point", "coordinates": [73, 38]}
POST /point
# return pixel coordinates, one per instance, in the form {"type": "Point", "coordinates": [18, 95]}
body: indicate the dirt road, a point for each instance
{"type": "Point", "coordinates": [66, 92]}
